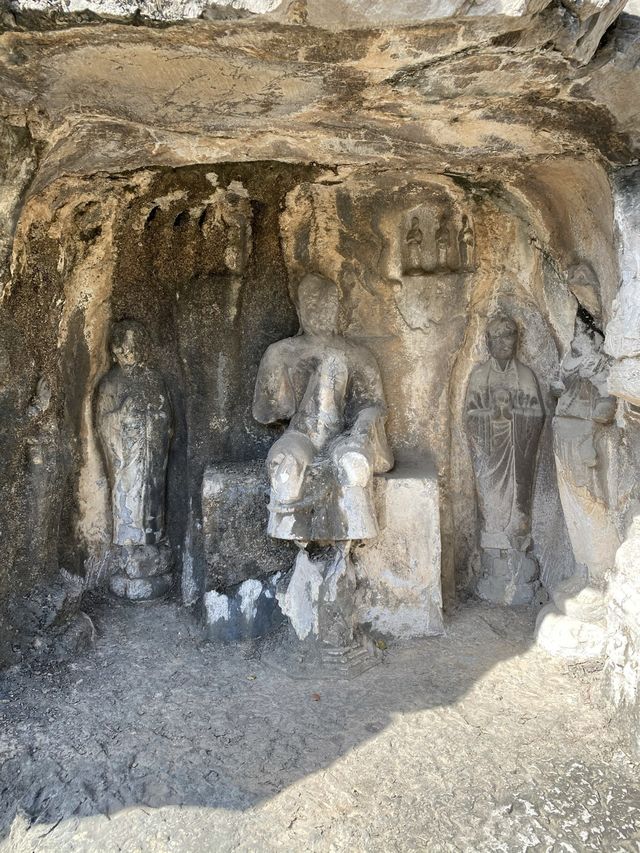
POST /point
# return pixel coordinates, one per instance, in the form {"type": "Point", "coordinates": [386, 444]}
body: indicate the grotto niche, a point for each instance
{"type": "Point", "coordinates": [167, 440]}
{"type": "Point", "coordinates": [319, 344]}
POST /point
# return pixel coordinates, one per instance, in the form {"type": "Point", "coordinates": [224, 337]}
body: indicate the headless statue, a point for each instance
{"type": "Point", "coordinates": [329, 393]}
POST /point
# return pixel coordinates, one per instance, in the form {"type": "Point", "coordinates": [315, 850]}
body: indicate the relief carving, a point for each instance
{"type": "Point", "coordinates": [584, 411]}
{"type": "Point", "coordinates": [414, 263]}
{"type": "Point", "coordinates": [573, 625]}
{"type": "Point", "coordinates": [439, 250]}
{"type": "Point", "coordinates": [443, 243]}
{"type": "Point", "coordinates": [467, 246]}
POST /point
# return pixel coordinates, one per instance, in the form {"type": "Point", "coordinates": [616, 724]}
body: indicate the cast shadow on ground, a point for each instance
{"type": "Point", "coordinates": [151, 716]}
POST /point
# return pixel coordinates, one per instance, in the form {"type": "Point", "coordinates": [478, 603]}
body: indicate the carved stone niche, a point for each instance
{"type": "Point", "coordinates": [435, 241]}
{"type": "Point", "coordinates": [435, 251]}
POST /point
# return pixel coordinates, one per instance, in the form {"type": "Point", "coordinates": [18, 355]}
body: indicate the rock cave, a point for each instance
{"type": "Point", "coordinates": [320, 425]}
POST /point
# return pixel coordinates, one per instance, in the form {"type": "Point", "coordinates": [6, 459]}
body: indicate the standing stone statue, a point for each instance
{"type": "Point", "coordinates": [466, 245]}
{"type": "Point", "coordinates": [443, 242]}
{"type": "Point", "coordinates": [134, 421]}
{"type": "Point", "coordinates": [414, 263]}
{"type": "Point", "coordinates": [328, 392]}
{"type": "Point", "coordinates": [504, 418]}
{"type": "Point", "coordinates": [574, 624]}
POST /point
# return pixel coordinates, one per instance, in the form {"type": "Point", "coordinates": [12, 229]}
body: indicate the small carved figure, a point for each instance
{"type": "Point", "coordinates": [134, 420]}
{"type": "Point", "coordinates": [330, 392]}
{"type": "Point", "coordinates": [237, 218]}
{"type": "Point", "coordinates": [504, 417]}
{"type": "Point", "coordinates": [443, 243]}
{"type": "Point", "coordinates": [466, 245]}
{"type": "Point", "coordinates": [414, 264]}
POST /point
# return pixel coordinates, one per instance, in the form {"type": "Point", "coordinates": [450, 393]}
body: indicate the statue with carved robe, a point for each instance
{"type": "Point", "coordinates": [327, 391]}
{"type": "Point", "coordinates": [134, 420]}
{"type": "Point", "coordinates": [584, 441]}
{"type": "Point", "coordinates": [504, 418]}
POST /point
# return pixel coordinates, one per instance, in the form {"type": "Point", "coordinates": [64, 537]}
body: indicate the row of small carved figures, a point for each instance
{"type": "Point", "coordinates": [414, 261]}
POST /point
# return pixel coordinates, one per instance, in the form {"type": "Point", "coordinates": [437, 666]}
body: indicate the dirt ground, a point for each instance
{"type": "Point", "coordinates": [152, 741]}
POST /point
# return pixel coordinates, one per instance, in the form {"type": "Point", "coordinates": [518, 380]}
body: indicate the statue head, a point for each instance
{"type": "Point", "coordinates": [502, 337]}
{"type": "Point", "coordinates": [130, 343]}
{"type": "Point", "coordinates": [318, 305]}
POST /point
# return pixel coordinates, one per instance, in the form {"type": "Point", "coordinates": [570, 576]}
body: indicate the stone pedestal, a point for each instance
{"type": "Point", "coordinates": [399, 590]}
{"type": "Point", "coordinates": [235, 498]}
{"type": "Point", "coordinates": [319, 603]}
{"type": "Point", "coordinates": [242, 563]}
{"type": "Point", "coordinates": [573, 624]}
{"type": "Point", "coordinates": [509, 577]}
{"type": "Point", "coordinates": [143, 572]}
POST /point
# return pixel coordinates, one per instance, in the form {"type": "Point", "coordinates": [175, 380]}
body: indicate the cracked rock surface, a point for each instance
{"type": "Point", "coordinates": [473, 741]}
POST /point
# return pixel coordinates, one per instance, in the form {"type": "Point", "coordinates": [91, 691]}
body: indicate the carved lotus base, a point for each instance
{"type": "Point", "coordinates": [321, 641]}
{"type": "Point", "coordinates": [141, 589]}
{"type": "Point", "coordinates": [142, 572]}
{"type": "Point", "coordinates": [509, 577]}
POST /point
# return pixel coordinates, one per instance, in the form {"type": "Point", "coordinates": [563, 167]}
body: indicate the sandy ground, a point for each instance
{"type": "Point", "coordinates": [154, 742]}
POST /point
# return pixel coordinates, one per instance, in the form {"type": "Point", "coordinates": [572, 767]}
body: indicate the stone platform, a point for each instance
{"type": "Point", "coordinates": [399, 591]}
{"type": "Point", "coordinates": [242, 564]}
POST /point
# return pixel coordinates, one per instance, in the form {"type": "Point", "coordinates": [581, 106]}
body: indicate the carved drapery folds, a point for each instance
{"type": "Point", "coordinates": [329, 392]}
{"type": "Point", "coordinates": [504, 417]}
{"type": "Point", "coordinates": [134, 421]}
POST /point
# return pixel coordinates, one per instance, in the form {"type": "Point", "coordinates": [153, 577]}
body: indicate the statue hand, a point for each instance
{"type": "Point", "coordinates": [502, 407]}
